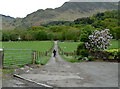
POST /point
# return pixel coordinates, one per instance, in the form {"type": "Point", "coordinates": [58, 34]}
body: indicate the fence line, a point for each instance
{"type": "Point", "coordinates": [67, 53]}
{"type": "Point", "coordinates": [38, 54]}
{"type": "Point", "coordinates": [15, 57]}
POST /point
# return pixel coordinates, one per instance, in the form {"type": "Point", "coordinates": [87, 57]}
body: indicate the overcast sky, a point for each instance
{"type": "Point", "coordinates": [20, 8]}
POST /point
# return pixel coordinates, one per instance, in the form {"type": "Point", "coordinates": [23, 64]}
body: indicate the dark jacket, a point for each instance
{"type": "Point", "coordinates": [54, 51]}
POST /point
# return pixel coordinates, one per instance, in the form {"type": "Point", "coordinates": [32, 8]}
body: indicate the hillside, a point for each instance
{"type": "Point", "coordinates": [7, 22]}
{"type": "Point", "coordinates": [68, 30]}
{"type": "Point", "coordinates": [69, 11]}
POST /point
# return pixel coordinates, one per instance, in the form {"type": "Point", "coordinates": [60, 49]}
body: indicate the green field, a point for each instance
{"type": "Point", "coordinates": [68, 46]}
{"type": "Point", "coordinates": [41, 46]}
{"type": "Point", "coordinates": [114, 44]}
{"type": "Point", "coordinates": [22, 52]}
{"type": "Point", "coordinates": [72, 46]}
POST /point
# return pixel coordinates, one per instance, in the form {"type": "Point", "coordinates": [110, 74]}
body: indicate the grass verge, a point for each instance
{"type": "Point", "coordinates": [70, 59]}
{"type": "Point", "coordinates": [43, 60]}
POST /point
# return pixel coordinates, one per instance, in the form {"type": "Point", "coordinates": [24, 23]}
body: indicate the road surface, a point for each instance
{"type": "Point", "coordinates": [60, 73]}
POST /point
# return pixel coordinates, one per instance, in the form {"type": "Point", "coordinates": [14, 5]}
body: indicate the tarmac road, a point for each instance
{"type": "Point", "coordinates": [60, 73]}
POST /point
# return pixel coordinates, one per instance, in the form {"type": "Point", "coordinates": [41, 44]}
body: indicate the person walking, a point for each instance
{"type": "Point", "coordinates": [54, 53]}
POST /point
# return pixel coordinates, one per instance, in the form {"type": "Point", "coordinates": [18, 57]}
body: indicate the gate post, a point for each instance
{"type": "Point", "coordinates": [1, 58]}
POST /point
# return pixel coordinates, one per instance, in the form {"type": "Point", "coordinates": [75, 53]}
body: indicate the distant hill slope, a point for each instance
{"type": "Point", "coordinates": [69, 11]}
{"type": "Point", "coordinates": [7, 22]}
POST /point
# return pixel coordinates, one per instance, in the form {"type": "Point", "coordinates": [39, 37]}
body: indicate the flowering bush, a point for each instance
{"type": "Point", "coordinates": [99, 40]}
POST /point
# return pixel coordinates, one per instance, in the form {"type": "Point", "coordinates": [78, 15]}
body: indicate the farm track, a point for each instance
{"type": "Point", "coordinates": [59, 73]}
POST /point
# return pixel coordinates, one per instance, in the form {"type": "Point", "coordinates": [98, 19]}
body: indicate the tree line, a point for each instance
{"type": "Point", "coordinates": [78, 29]}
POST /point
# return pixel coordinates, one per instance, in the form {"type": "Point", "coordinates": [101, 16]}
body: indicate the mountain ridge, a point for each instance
{"type": "Point", "coordinates": [69, 11]}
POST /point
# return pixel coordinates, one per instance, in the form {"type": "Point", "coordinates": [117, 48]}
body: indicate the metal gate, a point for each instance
{"type": "Point", "coordinates": [14, 57]}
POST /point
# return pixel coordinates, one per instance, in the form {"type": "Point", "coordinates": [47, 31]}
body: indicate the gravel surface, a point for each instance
{"type": "Point", "coordinates": [59, 73]}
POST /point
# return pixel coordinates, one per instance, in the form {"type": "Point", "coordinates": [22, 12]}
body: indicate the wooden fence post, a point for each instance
{"type": "Point", "coordinates": [74, 53]}
{"type": "Point", "coordinates": [34, 57]}
{"type": "Point", "coordinates": [37, 54]}
{"type": "Point", "coordinates": [46, 53]}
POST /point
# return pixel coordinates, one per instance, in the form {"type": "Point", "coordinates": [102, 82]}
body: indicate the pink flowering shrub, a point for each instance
{"type": "Point", "coordinates": [99, 40]}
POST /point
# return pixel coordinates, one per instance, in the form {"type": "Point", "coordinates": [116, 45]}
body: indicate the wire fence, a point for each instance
{"type": "Point", "coordinates": [14, 57]}
{"type": "Point", "coordinates": [41, 55]}
{"type": "Point", "coordinates": [17, 57]}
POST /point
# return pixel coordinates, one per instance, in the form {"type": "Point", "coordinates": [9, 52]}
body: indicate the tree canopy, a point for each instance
{"type": "Point", "coordinates": [78, 29]}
